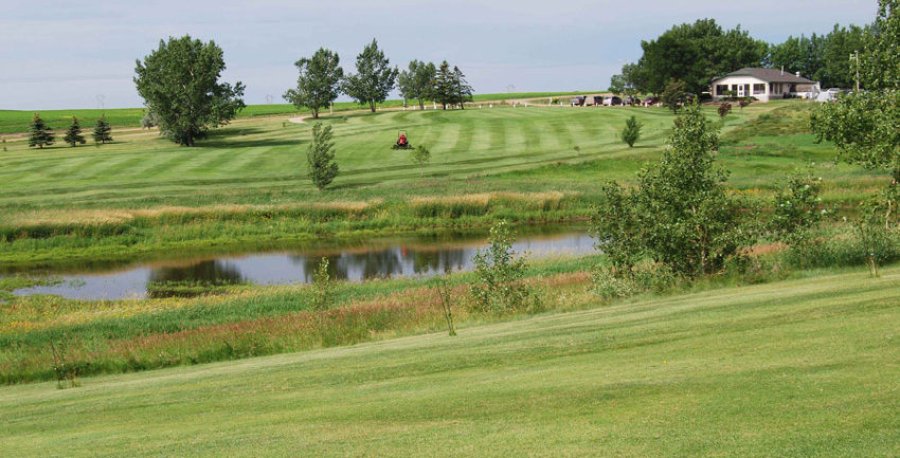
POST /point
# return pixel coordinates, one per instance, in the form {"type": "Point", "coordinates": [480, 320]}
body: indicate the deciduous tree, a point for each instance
{"type": "Point", "coordinates": [319, 82]}
{"type": "Point", "coordinates": [417, 83]}
{"type": "Point", "coordinates": [374, 78]}
{"type": "Point", "coordinates": [320, 157]}
{"type": "Point", "coordinates": [179, 81]}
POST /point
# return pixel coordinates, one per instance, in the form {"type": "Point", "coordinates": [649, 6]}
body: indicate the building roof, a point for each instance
{"type": "Point", "coordinates": [770, 75]}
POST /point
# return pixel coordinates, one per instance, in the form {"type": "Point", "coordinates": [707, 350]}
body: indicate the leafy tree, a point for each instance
{"type": "Point", "coordinates": [73, 134]}
{"type": "Point", "coordinates": [798, 54]}
{"type": "Point", "coordinates": [420, 156]}
{"type": "Point", "coordinates": [374, 78]}
{"type": "Point", "coordinates": [617, 84]}
{"type": "Point", "coordinates": [319, 82]}
{"type": "Point", "coordinates": [695, 53]}
{"type": "Point", "coordinates": [680, 215]}
{"type": "Point", "coordinates": [674, 95]}
{"type": "Point", "coordinates": [500, 273]}
{"type": "Point", "coordinates": [149, 120]}
{"type": "Point", "coordinates": [41, 134]}
{"type": "Point", "coordinates": [881, 59]}
{"type": "Point", "coordinates": [632, 131]}
{"type": "Point", "coordinates": [102, 131]}
{"type": "Point", "coordinates": [865, 126]}
{"type": "Point", "coordinates": [320, 157]}
{"type": "Point", "coordinates": [417, 83]}
{"type": "Point", "coordinates": [179, 81]}
{"type": "Point", "coordinates": [837, 70]}
{"type": "Point", "coordinates": [617, 225]}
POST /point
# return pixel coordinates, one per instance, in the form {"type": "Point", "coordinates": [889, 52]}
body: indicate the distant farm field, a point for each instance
{"type": "Point", "coordinates": [17, 121]}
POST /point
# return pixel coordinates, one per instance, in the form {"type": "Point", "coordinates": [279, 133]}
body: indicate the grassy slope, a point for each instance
{"type": "Point", "coordinates": [799, 368]}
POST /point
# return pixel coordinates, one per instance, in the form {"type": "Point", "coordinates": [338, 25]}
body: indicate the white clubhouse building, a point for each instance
{"type": "Point", "coordinates": [764, 84]}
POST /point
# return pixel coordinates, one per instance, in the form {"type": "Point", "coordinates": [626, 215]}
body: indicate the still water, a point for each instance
{"type": "Point", "coordinates": [381, 259]}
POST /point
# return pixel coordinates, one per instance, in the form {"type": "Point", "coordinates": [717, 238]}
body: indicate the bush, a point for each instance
{"type": "Point", "coordinates": [322, 287]}
{"type": "Point", "coordinates": [501, 288]}
{"type": "Point", "coordinates": [610, 283]}
{"type": "Point", "coordinates": [797, 208]}
{"type": "Point", "coordinates": [724, 109]}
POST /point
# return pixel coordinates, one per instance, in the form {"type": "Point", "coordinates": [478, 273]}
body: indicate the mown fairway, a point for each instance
{"type": "Point", "coordinates": [254, 159]}
{"type": "Point", "coordinates": [800, 368]}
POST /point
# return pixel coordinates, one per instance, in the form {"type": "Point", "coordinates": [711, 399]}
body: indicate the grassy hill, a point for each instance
{"type": "Point", "coordinates": [806, 367]}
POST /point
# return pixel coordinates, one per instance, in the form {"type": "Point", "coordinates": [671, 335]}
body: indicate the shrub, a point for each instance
{"type": "Point", "coordinates": [420, 156]}
{"type": "Point", "coordinates": [500, 273]}
{"type": "Point", "coordinates": [323, 287]}
{"type": "Point", "coordinates": [724, 109]}
{"type": "Point", "coordinates": [610, 283]}
{"type": "Point", "coordinates": [797, 208]}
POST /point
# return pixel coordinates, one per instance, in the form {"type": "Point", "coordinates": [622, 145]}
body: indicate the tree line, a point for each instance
{"type": "Point", "coordinates": [696, 53]}
{"type": "Point", "coordinates": [322, 80]}
{"type": "Point", "coordinates": [181, 87]}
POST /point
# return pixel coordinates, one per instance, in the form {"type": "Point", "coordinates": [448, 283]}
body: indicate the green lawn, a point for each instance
{"type": "Point", "coordinates": [805, 367]}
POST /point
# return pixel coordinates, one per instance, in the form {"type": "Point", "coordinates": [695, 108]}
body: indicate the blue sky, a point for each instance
{"type": "Point", "coordinates": [66, 54]}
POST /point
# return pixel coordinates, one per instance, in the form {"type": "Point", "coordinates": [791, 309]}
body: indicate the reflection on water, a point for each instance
{"type": "Point", "coordinates": [415, 257]}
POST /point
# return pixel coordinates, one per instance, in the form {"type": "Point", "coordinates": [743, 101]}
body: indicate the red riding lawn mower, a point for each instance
{"type": "Point", "coordinates": [402, 141]}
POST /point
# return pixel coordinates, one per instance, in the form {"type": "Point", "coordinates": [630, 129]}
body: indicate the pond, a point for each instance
{"type": "Point", "coordinates": [389, 258]}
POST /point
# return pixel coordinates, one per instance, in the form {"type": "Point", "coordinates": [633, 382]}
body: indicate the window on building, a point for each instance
{"type": "Point", "coordinates": [759, 89]}
{"type": "Point", "coordinates": [721, 89]}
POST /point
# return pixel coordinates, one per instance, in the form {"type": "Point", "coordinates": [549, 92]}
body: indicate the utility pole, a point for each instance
{"type": "Point", "coordinates": [855, 58]}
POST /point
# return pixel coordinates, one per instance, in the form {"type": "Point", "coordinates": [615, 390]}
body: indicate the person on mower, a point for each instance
{"type": "Point", "coordinates": [401, 141]}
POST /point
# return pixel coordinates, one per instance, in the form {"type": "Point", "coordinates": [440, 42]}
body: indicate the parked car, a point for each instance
{"type": "Point", "coordinates": [612, 101]}
{"type": "Point", "coordinates": [829, 95]}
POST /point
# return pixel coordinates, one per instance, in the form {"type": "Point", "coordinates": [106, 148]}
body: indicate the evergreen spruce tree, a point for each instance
{"type": "Point", "coordinates": [102, 131]}
{"type": "Point", "coordinates": [462, 92]}
{"type": "Point", "coordinates": [41, 134]}
{"type": "Point", "coordinates": [73, 134]}
{"type": "Point", "coordinates": [632, 131]}
{"type": "Point", "coordinates": [444, 85]}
